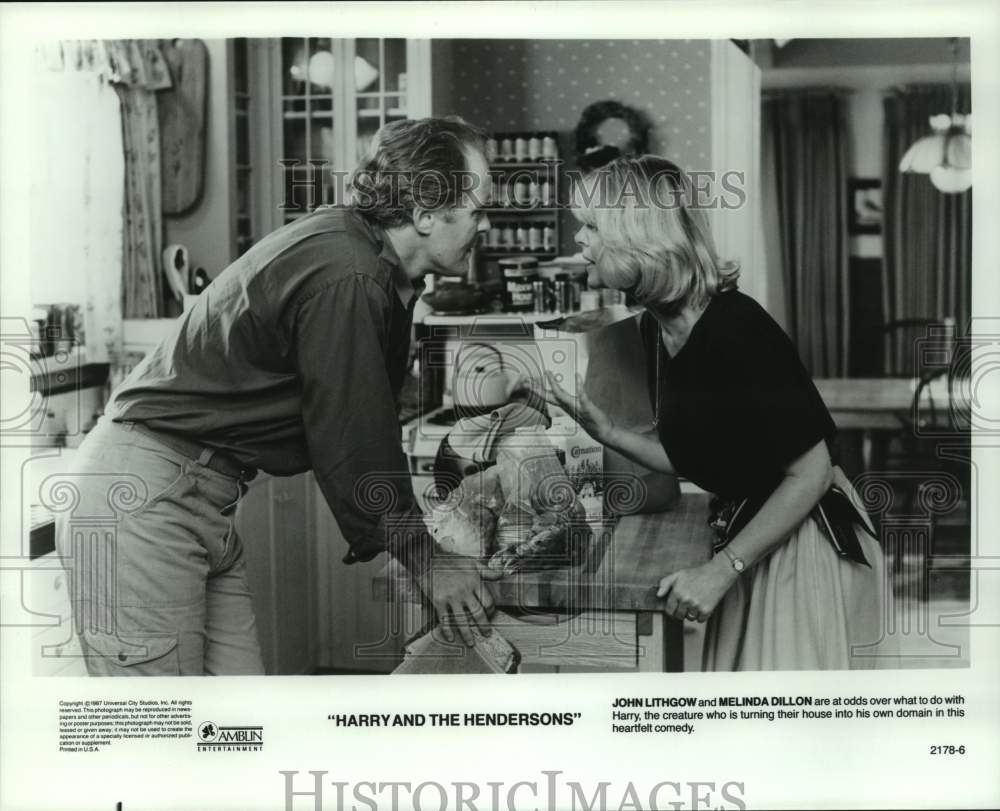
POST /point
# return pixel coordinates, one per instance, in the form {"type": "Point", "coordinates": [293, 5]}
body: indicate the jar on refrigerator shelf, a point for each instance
{"type": "Point", "coordinates": [506, 149]}
{"type": "Point", "coordinates": [508, 237]}
{"type": "Point", "coordinates": [492, 150]}
{"type": "Point", "coordinates": [534, 193]}
{"type": "Point", "coordinates": [550, 151]}
{"type": "Point", "coordinates": [548, 238]}
{"type": "Point", "coordinates": [521, 238]}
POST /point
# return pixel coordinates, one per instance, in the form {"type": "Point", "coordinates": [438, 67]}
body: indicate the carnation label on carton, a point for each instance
{"type": "Point", "coordinates": [583, 458]}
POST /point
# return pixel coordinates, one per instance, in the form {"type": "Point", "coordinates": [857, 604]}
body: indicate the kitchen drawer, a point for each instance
{"type": "Point", "coordinates": [56, 651]}
{"type": "Point", "coordinates": [591, 639]}
{"type": "Point", "coordinates": [46, 587]}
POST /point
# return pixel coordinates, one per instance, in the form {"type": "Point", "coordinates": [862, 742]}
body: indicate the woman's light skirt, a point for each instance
{"type": "Point", "coordinates": [803, 607]}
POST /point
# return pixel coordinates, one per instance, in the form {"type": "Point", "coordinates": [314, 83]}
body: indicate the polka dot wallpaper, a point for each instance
{"type": "Point", "coordinates": [546, 84]}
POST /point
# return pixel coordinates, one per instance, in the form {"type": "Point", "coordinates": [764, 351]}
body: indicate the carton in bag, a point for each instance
{"type": "Point", "coordinates": [583, 458]}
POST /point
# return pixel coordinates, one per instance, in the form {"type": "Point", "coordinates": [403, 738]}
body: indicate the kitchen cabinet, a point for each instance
{"type": "Point", "coordinates": [315, 103]}
{"type": "Point", "coordinates": [275, 522]}
{"type": "Point", "coordinates": [241, 148]}
{"type": "Point", "coordinates": [357, 631]}
{"type": "Point", "coordinates": [54, 648]}
{"type": "Point", "coordinates": [313, 611]}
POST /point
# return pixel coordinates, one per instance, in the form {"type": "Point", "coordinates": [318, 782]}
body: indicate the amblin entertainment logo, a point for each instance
{"type": "Point", "coordinates": [215, 738]}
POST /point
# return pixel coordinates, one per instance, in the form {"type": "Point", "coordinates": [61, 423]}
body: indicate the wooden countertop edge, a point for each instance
{"type": "Point", "coordinates": [570, 590]}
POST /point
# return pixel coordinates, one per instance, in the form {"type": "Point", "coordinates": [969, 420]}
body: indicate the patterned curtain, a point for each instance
{"type": "Point", "coordinates": [139, 71]}
{"type": "Point", "coordinates": [806, 143]}
{"type": "Point", "coordinates": [927, 271]}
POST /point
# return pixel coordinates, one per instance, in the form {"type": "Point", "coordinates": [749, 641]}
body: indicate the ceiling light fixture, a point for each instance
{"type": "Point", "coordinates": [946, 154]}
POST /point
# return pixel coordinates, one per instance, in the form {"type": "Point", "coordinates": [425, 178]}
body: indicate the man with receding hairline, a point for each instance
{"type": "Point", "coordinates": [291, 360]}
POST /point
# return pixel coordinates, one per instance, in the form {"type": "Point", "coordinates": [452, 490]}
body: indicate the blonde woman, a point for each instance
{"type": "Point", "coordinates": [796, 578]}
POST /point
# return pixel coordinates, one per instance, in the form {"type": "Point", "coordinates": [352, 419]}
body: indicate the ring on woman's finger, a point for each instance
{"type": "Point", "coordinates": [691, 616]}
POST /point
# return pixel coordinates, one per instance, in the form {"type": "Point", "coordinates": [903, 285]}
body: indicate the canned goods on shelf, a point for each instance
{"type": "Point", "coordinates": [538, 290]}
{"type": "Point", "coordinates": [520, 274]}
{"type": "Point", "coordinates": [534, 237]}
{"type": "Point", "coordinates": [563, 297]}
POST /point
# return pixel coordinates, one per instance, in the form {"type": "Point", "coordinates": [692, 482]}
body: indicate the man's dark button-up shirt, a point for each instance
{"type": "Point", "coordinates": [291, 360]}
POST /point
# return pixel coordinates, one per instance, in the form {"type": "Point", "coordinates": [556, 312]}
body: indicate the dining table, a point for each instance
{"type": "Point", "coordinates": [876, 403]}
{"type": "Point", "coordinates": [869, 406]}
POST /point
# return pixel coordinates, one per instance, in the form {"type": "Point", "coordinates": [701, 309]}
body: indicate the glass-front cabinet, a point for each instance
{"type": "Point", "coordinates": [243, 160]}
{"type": "Point", "coordinates": [323, 100]}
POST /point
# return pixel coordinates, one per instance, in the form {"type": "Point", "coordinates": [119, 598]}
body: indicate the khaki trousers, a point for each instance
{"type": "Point", "coordinates": [158, 582]}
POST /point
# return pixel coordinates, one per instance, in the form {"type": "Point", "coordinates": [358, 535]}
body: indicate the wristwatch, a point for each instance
{"type": "Point", "coordinates": [738, 563]}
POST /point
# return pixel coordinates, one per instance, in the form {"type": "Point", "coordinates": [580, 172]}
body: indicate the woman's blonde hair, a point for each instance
{"type": "Point", "coordinates": [657, 243]}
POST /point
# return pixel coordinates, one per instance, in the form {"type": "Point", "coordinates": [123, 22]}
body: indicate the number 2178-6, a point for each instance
{"type": "Point", "coordinates": [948, 749]}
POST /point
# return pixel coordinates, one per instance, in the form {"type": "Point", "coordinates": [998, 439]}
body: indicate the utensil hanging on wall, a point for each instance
{"type": "Point", "coordinates": [181, 113]}
{"type": "Point", "coordinates": [176, 269]}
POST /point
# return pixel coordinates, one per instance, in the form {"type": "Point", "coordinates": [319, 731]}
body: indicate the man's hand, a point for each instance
{"type": "Point", "coordinates": [454, 585]}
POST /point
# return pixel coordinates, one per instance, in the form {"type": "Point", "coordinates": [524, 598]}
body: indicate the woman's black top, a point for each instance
{"type": "Point", "coordinates": [736, 405]}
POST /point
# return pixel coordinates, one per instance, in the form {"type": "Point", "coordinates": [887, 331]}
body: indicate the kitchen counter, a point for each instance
{"type": "Point", "coordinates": [610, 596]}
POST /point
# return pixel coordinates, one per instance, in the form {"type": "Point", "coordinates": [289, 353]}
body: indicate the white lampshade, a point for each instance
{"type": "Point", "coordinates": [924, 155]}
{"type": "Point", "coordinates": [946, 155]}
{"type": "Point", "coordinates": [951, 179]}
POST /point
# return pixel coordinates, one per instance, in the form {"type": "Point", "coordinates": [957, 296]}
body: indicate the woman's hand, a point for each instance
{"type": "Point", "coordinates": [581, 408]}
{"type": "Point", "coordinates": [694, 593]}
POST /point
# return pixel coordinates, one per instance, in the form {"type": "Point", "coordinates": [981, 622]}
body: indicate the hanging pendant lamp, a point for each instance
{"type": "Point", "coordinates": [945, 154]}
